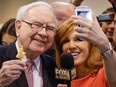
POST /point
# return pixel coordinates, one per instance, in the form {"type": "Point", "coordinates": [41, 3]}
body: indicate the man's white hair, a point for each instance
{"type": "Point", "coordinates": [23, 11]}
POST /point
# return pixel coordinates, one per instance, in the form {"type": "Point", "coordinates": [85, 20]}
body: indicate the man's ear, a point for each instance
{"type": "Point", "coordinates": [18, 25]}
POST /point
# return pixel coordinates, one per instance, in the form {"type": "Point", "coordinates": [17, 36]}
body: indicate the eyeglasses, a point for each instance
{"type": "Point", "coordinates": [39, 26]}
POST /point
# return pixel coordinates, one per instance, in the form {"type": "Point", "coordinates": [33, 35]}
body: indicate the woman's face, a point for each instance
{"type": "Point", "coordinates": [6, 39]}
{"type": "Point", "coordinates": [79, 49]}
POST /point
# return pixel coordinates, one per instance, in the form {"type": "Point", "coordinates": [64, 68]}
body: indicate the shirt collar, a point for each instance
{"type": "Point", "coordinates": [36, 60]}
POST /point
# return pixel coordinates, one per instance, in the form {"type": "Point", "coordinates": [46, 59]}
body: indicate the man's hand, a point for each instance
{"type": "Point", "coordinates": [10, 71]}
{"type": "Point", "coordinates": [76, 2]}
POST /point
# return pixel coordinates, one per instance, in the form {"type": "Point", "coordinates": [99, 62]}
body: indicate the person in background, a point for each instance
{"type": "Point", "coordinates": [76, 2]}
{"type": "Point", "coordinates": [0, 25]}
{"type": "Point", "coordinates": [114, 35]}
{"type": "Point", "coordinates": [113, 3]}
{"type": "Point", "coordinates": [7, 32]}
{"type": "Point", "coordinates": [94, 58]}
{"type": "Point", "coordinates": [108, 26]}
{"type": "Point", "coordinates": [105, 24]}
{"type": "Point", "coordinates": [36, 26]}
{"type": "Point", "coordinates": [62, 11]}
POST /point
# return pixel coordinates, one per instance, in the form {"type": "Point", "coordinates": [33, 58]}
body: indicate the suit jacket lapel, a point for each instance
{"type": "Point", "coordinates": [22, 81]}
{"type": "Point", "coordinates": [47, 72]}
{"type": "Point", "coordinates": [44, 73]}
{"type": "Point", "coordinates": [11, 51]}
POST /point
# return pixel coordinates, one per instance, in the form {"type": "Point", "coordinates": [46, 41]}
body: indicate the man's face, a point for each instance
{"type": "Point", "coordinates": [64, 12]}
{"type": "Point", "coordinates": [114, 35]}
{"type": "Point", "coordinates": [35, 40]}
{"type": "Point", "coordinates": [7, 39]}
{"type": "Point", "coordinates": [108, 28]}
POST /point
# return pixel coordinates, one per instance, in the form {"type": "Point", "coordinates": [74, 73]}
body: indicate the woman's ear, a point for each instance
{"type": "Point", "coordinates": [18, 25]}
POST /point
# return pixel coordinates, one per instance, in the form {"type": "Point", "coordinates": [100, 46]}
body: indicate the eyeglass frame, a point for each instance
{"type": "Point", "coordinates": [40, 27]}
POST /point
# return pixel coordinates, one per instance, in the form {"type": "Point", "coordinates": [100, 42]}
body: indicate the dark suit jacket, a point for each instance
{"type": "Point", "coordinates": [8, 52]}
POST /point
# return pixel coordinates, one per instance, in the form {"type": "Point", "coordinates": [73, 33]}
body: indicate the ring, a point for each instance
{"type": "Point", "coordinates": [18, 75]}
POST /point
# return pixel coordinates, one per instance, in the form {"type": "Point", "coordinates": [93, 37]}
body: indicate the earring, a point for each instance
{"type": "Point", "coordinates": [17, 35]}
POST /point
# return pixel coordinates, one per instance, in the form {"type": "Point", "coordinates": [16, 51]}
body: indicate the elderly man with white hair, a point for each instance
{"type": "Point", "coordinates": [23, 62]}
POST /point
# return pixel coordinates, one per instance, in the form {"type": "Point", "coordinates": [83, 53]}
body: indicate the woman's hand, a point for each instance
{"type": "Point", "coordinates": [91, 31]}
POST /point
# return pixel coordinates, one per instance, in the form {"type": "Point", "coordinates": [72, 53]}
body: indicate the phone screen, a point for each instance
{"type": "Point", "coordinates": [84, 11]}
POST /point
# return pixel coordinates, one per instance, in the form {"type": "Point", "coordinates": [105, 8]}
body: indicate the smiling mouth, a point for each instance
{"type": "Point", "coordinates": [110, 33]}
{"type": "Point", "coordinates": [40, 41]}
{"type": "Point", "coordinates": [75, 53]}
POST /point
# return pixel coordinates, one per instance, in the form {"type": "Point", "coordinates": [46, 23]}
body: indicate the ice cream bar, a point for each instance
{"type": "Point", "coordinates": [20, 54]}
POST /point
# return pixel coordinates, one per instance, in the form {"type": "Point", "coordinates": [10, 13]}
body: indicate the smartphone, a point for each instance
{"type": "Point", "coordinates": [83, 11]}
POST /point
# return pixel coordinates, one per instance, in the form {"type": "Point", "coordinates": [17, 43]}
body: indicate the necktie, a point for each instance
{"type": "Point", "coordinates": [29, 73]}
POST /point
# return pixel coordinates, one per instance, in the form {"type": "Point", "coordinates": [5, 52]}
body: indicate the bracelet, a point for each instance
{"type": "Point", "coordinates": [108, 53]}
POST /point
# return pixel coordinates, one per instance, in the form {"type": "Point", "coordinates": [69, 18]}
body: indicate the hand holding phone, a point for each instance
{"type": "Point", "coordinates": [83, 11]}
